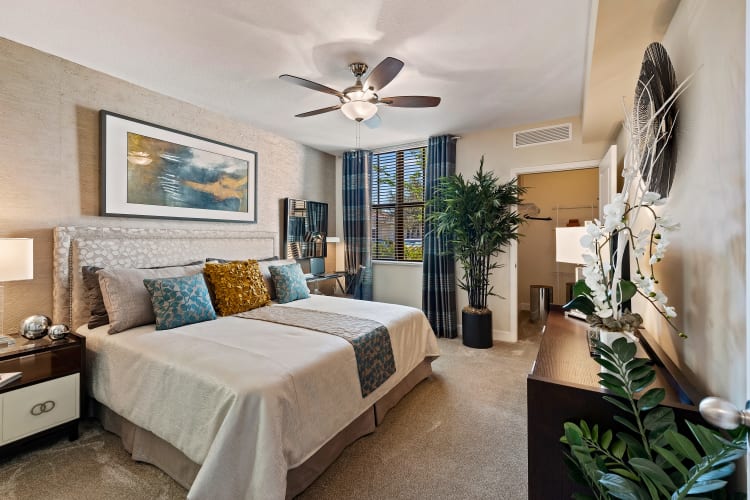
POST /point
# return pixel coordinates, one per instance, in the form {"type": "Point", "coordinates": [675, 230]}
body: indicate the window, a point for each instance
{"type": "Point", "coordinates": [398, 204]}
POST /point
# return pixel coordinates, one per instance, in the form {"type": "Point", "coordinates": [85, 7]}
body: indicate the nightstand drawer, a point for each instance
{"type": "Point", "coordinates": [37, 407]}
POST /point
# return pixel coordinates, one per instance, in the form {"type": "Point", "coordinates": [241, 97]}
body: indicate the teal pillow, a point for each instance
{"type": "Point", "coordinates": [180, 301]}
{"type": "Point", "coordinates": [290, 283]}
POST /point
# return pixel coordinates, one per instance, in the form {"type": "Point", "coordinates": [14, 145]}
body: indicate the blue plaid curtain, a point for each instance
{"type": "Point", "coordinates": [357, 235]}
{"type": "Point", "coordinates": [438, 265]}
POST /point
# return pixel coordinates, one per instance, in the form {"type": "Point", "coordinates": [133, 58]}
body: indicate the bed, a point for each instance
{"type": "Point", "coordinates": [234, 407]}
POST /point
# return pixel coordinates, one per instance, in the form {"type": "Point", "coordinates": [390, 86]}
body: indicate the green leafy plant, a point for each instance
{"type": "Point", "coordinates": [652, 459]}
{"type": "Point", "coordinates": [478, 218]}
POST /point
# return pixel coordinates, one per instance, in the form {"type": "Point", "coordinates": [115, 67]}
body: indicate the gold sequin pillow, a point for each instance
{"type": "Point", "coordinates": [237, 286]}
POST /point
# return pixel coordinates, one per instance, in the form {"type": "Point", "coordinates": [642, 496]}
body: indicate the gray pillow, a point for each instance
{"type": "Point", "coordinates": [94, 297]}
{"type": "Point", "coordinates": [264, 265]}
{"type": "Point", "coordinates": [126, 298]}
{"type": "Point", "coordinates": [93, 294]}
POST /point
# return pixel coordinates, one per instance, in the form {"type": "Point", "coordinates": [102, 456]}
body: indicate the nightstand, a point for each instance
{"type": "Point", "coordinates": [47, 399]}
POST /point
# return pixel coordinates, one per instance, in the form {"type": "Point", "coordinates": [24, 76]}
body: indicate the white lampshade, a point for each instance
{"type": "Point", "coordinates": [16, 259]}
{"type": "Point", "coordinates": [359, 110]}
{"type": "Point", "coordinates": [568, 245]}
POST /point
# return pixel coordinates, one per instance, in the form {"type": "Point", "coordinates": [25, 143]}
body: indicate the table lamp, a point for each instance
{"type": "Point", "coordinates": [568, 249]}
{"type": "Point", "coordinates": [16, 263]}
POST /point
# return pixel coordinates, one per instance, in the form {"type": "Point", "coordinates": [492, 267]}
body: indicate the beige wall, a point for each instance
{"type": "Point", "coordinates": [704, 273]}
{"type": "Point", "coordinates": [500, 156]}
{"type": "Point", "coordinates": [49, 165]}
{"type": "Point", "coordinates": [561, 196]}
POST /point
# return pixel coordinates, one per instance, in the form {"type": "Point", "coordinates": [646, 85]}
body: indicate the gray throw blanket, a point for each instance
{"type": "Point", "coordinates": [370, 339]}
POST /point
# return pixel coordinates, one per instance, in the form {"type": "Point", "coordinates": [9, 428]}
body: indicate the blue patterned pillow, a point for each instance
{"type": "Point", "coordinates": [290, 283]}
{"type": "Point", "coordinates": [180, 301]}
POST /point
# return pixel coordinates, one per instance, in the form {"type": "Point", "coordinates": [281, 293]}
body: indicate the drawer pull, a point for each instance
{"type": "Point", "coordinates": [40, 408]}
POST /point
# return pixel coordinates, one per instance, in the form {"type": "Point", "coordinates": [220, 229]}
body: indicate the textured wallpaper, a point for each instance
{"type": "Point", "coordinates": [49, 159]}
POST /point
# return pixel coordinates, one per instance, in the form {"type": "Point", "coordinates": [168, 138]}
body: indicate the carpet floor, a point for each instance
{"type": "Point", "coordinates": [459, 434]}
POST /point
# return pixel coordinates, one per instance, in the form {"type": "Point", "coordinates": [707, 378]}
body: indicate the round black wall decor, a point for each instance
{"type": "Point", "coordinates": [656, 83]}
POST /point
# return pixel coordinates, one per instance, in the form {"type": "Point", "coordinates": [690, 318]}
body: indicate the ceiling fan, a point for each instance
{"type": "Point", "coordinates": [359, 102]}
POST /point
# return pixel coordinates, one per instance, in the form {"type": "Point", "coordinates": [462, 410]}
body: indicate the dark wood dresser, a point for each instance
{"type": "Point", "coordinates": [564, 386]}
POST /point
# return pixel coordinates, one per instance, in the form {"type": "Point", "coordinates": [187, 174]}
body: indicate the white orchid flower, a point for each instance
{"type": "Point", "coordinates": [669, 312]}
{"type": "Point", "coordinates": [650, 198]}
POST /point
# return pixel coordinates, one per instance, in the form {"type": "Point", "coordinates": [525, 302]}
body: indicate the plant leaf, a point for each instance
{"type": "Point", "coordinates": [622, 488]}
{"type": "Point", "coordinates": [581, 288]}
{"type": "Point", "coordinates": [706, 438]}
{"type": "Point", "coordinates": [606, 439]}
{"type": "Point", "coordinates": [705, 486]}
{"type": "Point", "coordinates": [611, 378]}
{"type": "Point", "coordinates": [626, 423]}
{"type": "Point", "coordinates": [635, 448]}
{"type": "Point", "coordinates": [651, 399]}
{"type": "Point", "coordinates": [607, 364]}
{"type": "Point", "coordinates": [582, 303]}
{"type": "Point", "coordinates": [652, 471]}
{"type": "Point", "coordinates": [724, 471]}
{"type": "Point", "coordinates": [618, 404]}
{"type": "Point", "coordinates": [625, 291]}
{"type": "Point", "coordinates": [625, 473]}
{"type": "Point", "coordinates": [618, 448]}
{"type": "Point", "coordinates": [683, 446]}
{"type": "Point", "coordinates": [623, 349]}
{"type": "Point", "coordinates": [658, 419]}
{"type": "Point", "coordinates": [673, 461]}
{"type": "Point", "coordinates": [615, 388]}
{"type": "Point", "coordinates": [642, 383]}
{"type": "Point", "coordinates": [573, 434]}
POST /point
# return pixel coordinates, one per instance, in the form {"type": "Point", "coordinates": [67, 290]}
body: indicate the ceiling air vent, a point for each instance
{"type": "Point", "coordinates": [544, 135]}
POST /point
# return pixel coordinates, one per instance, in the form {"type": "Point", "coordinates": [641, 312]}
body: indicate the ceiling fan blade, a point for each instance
{"type": "Point", "coordinates": [318, 111]}
{"type": "Point", "coordinates": [373, 122]}
{"type": "Point", "coordinates": [310, 85]}
{"type": "Point", "coordinates": [411, 101]}
{"type": "Point", "coordinates": [384, 73]}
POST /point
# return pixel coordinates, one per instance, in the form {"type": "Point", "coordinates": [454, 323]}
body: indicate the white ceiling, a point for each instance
{"type": "Point", "coordinates": [495, 63]}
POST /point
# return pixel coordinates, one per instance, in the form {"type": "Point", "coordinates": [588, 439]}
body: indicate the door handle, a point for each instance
{"type": "Point", "coordinates": [724, 414]}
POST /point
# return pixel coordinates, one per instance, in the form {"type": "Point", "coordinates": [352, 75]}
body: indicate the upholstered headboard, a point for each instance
{"type": "Point", "coordinates": [76, 246]}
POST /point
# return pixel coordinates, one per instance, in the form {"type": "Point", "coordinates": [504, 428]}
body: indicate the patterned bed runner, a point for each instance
{"type": "Point", "coordinates": [370, 339]}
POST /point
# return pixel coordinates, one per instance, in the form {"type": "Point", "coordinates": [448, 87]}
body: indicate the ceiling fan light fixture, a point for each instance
{"type": "Point", "coordinates": [359, 110]}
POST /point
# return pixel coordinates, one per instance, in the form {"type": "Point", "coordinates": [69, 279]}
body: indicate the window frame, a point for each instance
{"type": "Point", "coordinates": [399, 205]}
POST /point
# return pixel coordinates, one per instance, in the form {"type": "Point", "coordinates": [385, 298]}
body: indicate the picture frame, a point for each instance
{"type": "Point", "coordinates": [157, 172]}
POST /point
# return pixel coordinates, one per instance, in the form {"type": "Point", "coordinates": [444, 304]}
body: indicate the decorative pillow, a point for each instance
{"type": "Point", "coordinates": [237, 286]}
{"type": "Point", "coordinates": [127, 300]}
{"type": "Point", "coordinates": [264, 265]}
{"type": "Point", "coordinates": [290, 283]}
{"type": "Point", "coordinates": [180, 301]}
{"type": "Point", "coordinates": [94, 297]}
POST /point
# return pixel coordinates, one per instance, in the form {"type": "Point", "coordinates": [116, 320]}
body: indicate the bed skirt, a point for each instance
{"type": "Point", "coordinates": [144, 446]}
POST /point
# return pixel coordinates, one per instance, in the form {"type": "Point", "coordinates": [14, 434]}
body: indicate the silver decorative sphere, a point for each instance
{"type": "Point", "coordinates": [35, 327]}
{"type": "Point", "coordinates": [722, 413]}
{"type": "Point", "coordinates": [57, 332]}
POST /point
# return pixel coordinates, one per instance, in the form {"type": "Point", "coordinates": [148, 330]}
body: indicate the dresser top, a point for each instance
{"type": "Point", "coordinates": [24, 346]}
{"type": "Point", "coordinates": [564, 359]}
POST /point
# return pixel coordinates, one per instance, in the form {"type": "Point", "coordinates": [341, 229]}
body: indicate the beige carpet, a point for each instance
{"type": "Point", "coordinates": [460, 434]}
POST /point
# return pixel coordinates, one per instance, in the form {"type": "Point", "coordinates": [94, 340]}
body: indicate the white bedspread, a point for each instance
{"type": "Point", "coordinates": [247, 399]}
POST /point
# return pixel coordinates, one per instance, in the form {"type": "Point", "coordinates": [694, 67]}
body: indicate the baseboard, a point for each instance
{"type": "Point", "coordinates": [499, 335]}
{"type": "Point", "coordinates": [524, 306]}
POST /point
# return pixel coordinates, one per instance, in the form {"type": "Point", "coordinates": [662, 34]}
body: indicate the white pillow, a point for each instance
{"type": "Point", "coordinates": [126, 298]}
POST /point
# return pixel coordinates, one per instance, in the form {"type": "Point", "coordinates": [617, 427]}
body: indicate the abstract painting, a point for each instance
{"type": "Point", "coordinates": [153, 171]}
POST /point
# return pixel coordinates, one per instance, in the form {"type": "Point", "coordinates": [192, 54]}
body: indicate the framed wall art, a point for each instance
{"type": "Point", "coordinates": [154, 171]}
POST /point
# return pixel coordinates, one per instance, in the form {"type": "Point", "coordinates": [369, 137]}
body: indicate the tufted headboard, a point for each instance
{"type": "Point", "coordinates": [76, 246]}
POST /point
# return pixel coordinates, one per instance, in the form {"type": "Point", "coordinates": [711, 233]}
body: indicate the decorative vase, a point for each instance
{"type": "Point", "coordinates": [476, 328]}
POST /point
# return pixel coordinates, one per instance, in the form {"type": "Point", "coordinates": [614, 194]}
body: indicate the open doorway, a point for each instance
{"type": "Point", "coordinates": [564, 198]}
{"type": "Point", "coordinates": [520, 298]}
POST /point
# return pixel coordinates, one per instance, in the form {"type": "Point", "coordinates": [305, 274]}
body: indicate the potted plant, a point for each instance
{"type": "Point", "coordinates": [478, 219]}
{"type": "Point", "coordinates": [648, 457]}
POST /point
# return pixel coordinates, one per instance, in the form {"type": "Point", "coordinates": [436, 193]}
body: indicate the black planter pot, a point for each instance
{"type": "Point", "coordinates": [476, 329]}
